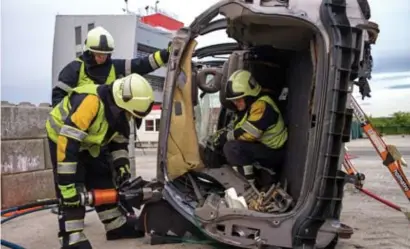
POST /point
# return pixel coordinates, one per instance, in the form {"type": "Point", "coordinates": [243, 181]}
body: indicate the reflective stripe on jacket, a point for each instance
{"type": "Point", "coordinates": [93, 139]}
{"type": "Point", "coordinates": [275, 136]}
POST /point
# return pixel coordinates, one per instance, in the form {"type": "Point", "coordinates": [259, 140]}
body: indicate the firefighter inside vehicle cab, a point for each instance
{"type": "Point", "coordinates": [95, 66]}
{"type": "Point", "coordinates": [258, 133]}
{"type": "Point", "coordinates": [88, 118]}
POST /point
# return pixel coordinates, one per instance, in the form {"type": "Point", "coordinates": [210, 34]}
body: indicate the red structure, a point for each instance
{"type": "Point", "coordinates": [156, 107]}
{"type": "Point", "coordinates": [160, 20]}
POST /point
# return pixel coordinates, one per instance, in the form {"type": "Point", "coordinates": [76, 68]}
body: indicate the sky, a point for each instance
{"type": "Point", "coordinates": [27, 30]}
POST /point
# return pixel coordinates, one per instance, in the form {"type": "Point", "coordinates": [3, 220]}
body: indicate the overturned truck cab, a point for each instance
{"type": "Point", "coordinates": [308, 53]}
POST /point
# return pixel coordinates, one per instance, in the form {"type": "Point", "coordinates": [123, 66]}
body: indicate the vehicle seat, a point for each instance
{"type": "Point", "coordinates": [235, 62]}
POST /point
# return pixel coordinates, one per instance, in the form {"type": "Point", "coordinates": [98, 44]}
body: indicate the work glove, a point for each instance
{"type": "Point", "coordinates": [123, 174]}
{"type": "Point", "coordinates": [70, 196]}
{"type": "Point", "coordinates": [220, 138]}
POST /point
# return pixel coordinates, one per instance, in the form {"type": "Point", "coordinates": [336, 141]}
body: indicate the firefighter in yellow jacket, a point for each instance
{"type": "Point", "coordinates": [88, 118]}
{"type": "Point", "coordinates": [258, 134]}
{"type": "Point", "coordinates": [95, 66]}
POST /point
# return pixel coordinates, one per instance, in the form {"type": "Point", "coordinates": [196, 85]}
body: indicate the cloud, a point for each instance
{"type": "Point", "coordinates": [405, 86]}
{"type": "Point", "coordinates": [386, 99]}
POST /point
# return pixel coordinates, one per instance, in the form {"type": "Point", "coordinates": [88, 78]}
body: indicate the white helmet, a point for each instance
{"type": "Point", "coordinates": [134, 94]}
{"type": "Point", "coordinates": [99, 40]}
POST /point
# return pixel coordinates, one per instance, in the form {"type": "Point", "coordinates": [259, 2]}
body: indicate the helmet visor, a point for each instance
{"type": "Point", "coordinates": [230, 94]}
{"type": "Point", "coordinates": [145, 113]}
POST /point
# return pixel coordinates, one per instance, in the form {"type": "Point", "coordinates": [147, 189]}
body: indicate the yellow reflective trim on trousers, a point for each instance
{"type": "Point", "coordinates": [109, 214]}
{"type": "Point", "coordinates": [74, 225]}
{"type": "Point", "coordinates": [119, 154]}
{"type": "Point", "coordinates": [66, 168]}
{"type": "Point", "coordinates": [158, 59]}
{"type": "Point", "coordinates": [73, 133]}
{"type": "Point", "coordinates": [120, 139]}
{"type": "Point", "coordinates": [74, 238]}
{"type": "Point", "coordinates": [68, 191]}
{"type": "Point", "coordinates": [249, 128]}
{"type": "Point", "coordinates": [120, 221]}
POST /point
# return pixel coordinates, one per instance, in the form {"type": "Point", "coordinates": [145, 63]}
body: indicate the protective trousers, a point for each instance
{"type": "Point", "coordinates": [92, 173]}
{"type": "Point", "coordinates": [244, 155]}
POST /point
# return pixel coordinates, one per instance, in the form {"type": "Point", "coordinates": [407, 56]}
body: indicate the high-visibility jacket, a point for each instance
{"type": "Point", "coordinates": [94, 138]}
{"type": "Point", "coordinates": [83, 79]}
{"type": "Point", "coordinates": [275, 136]}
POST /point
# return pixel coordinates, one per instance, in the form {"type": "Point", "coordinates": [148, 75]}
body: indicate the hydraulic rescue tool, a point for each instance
{"type": "Point", "coordinates": [134, 191]}
{"type": "Point", "coordinates": [391, 157]}
{"type": "Point", "coordinates": [389, 154]}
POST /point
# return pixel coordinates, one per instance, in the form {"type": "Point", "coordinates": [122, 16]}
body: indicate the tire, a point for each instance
{"type": "Point", "coordinates": [365, 8]}
{"type": "Point", "coordinates": [333, 243]}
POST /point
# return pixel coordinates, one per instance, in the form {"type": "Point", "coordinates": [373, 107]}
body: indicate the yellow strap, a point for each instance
{"type": "Point", "coordinates": [68, 191]}
{"type": "Point", "coordinates": [158, 59]}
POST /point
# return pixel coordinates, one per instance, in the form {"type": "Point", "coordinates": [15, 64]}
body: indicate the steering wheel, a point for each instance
{"type": "Point", "coordinates": [209, 86]}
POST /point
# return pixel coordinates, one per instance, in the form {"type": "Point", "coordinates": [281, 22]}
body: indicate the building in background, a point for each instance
{"type": "Point", "coordinates": [147, 134]}
{"type": "Point", "coordinates": [134, 36]}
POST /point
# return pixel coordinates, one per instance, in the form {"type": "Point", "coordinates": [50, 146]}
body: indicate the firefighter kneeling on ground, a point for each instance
{"type": "Point", "coordinates": [87, 119]}
{"type": "Point", "coordinates": [258, 133]}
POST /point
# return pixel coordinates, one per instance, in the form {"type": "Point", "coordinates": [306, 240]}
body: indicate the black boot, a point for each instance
{"type": "Point", "coordinates": [127, 231]}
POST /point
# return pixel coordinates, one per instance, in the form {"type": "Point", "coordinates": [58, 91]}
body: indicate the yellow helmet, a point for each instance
{"type": "Point", "coordinates": [241, 84]}
{"type": "Point", "coordinates": [99, 40]}
{"type": "Point", "coordinates": [134, 94]}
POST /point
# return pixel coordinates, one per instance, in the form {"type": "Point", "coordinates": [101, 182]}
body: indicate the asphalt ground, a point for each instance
{"type": "Point", "coordinates": [375, 225]}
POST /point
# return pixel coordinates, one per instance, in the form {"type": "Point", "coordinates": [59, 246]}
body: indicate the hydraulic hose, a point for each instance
{"type": "Point", "coordinates": [38, 206]}
{"type": "Point", "coordinates": [27, 212]}
{"type": "Point", "coordinates": [30, 205]}
{"type": "Point", "coordinates": [10, 244]}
